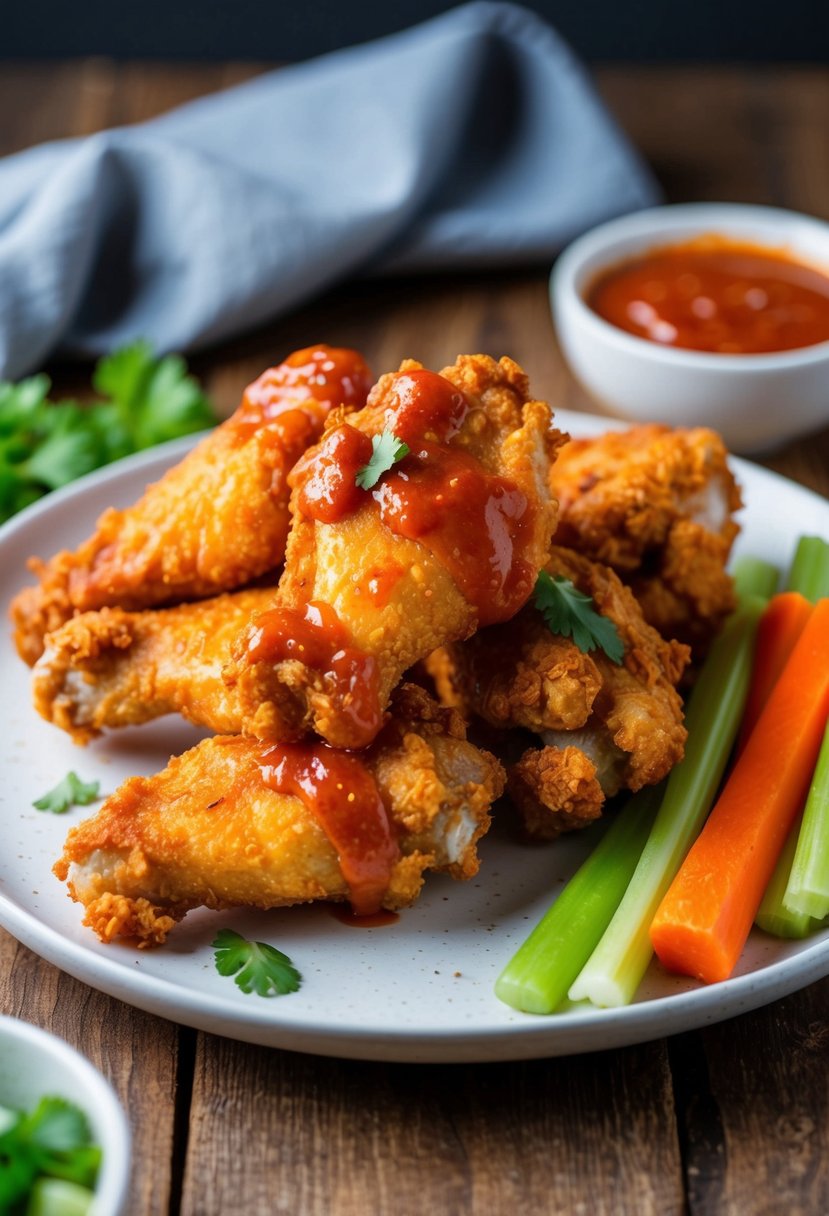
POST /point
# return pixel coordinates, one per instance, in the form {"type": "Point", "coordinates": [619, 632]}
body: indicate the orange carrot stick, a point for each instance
{"type": "Point", "coordinates": [702, 924]}
{"type": "Point", "coordinates": [780, 626]}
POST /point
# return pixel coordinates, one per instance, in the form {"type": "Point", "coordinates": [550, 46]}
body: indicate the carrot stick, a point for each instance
{"type": "Point", "coordinates": [702, 924]}
{"type": "Point", "coordinates": [780, 626]}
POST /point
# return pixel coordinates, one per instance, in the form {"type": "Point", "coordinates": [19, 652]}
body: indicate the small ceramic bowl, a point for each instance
{"type": "Point", "coordinates": [34, 1064]}
{"type": "Point", "coordinates": [756, 402]}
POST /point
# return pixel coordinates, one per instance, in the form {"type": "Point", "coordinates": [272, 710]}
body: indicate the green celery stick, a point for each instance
{"type": "Point", "coordinates": [537, 977]}
{"type": "Point", "coordinates": [615, 969]}
{"type": "Point", "coordinates": [807, 892]}
{"type": "Point", "coordinates": [773, 916]}
{"type": "Point", "coordinates": [753, 576]}
{"type": "Point", "coordinates": [809, 573]}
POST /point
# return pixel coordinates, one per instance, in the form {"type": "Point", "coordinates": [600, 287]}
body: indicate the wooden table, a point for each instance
{"type": "Point", "coordinates": [731, 1119]}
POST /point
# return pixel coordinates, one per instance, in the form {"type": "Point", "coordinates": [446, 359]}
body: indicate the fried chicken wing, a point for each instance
{"type": "Point", "coordinates": [657, 506]}
{"type": "Point", "coordinates": [445, 539]}
{"type": "Point", "coordinates": [602, 726]}
{"type": "Point", "coordinates": [216, 521]}
{"type": "Point", "coordinates": [115, 668]}
{"type": "Point", "coordinates": [215, 830]}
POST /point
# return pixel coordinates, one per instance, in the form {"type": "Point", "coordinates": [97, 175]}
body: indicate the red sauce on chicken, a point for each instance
{"type": "Point", "coordinates": [315, 636]}
{"type": "Point", "coordinates": [299, 394]}
{"type": "Point", "coordinates": [478, 525]}
{"type": "Point", "coordinates": [342, 794]}
{"type": "Point", "coordinates": [717, 295]}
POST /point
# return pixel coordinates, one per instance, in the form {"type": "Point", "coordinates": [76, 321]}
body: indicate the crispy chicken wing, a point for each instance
{"type": "Point", "coordinates": [216, 521]}
{"type": "Point", "coordinates": [377, 576]}
{"type": "Point", "coordinates": [116, 668]}
{"type": "Point", "coordinates": [212, 830]}
{"type": "Point", "coordinates": [603, 726]}
{"type": "Point", "coordinates": [657, 506]}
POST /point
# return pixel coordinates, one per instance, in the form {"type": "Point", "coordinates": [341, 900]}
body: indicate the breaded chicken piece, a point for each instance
{"type": "Point", "coordinates": [603, 726]}
{"type": "Point", "coordinates": [657, 506]}
{"type": "Point", "coordinates": [115, 668]}
{"type": "Point", "coordinates": [217, 520]}
{"type": "Point", "coordinates": [210, 831]}
{"type": "Point", "coordinates": [449, 538]}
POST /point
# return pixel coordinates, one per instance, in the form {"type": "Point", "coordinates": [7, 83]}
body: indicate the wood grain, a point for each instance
{"type": "Point", "coordinates": [730, 1120]}
{"type": "Point", "coordinates": [591, 1135]}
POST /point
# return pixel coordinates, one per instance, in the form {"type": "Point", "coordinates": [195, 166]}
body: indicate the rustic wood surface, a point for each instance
{"type": "Point", "coordinates": [732, 1119]}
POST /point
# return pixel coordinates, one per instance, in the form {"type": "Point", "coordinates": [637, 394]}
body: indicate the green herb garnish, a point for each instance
{"type": "Point", "coordinates": [572, 614]}
{"type": "Point", "coordinates": [255, 966]}
{"type": "Point", "coordinates": [53, 1142]}
{"type": "Point", "coordinates": [69, 792]}
{"type": "Point", "coordinates": [387, 449]}
{"type": "Point", "coordinates": [44, 445]}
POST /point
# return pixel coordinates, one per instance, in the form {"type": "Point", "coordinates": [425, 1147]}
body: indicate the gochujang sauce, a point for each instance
{"type": "Point", "coordinates": [477, 524]}
{"type": "Point", "coordinates": [716, 295]}
{"type": "Point", "coordinates": [341, 793]}
{"type": "Point", "coordinates": [314, 635]}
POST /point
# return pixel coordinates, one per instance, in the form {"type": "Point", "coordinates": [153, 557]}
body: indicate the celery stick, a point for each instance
{"type": "Point", "coordinates": [773, 916]}
{"type": "Point", "coordinates": [809, 573]}
{"type": "Point", "coordinates": [615, 969]}
{"type": "Point", "coordinates": [537, 977]}
{"type": "Point", "coordinates": [753, 576]}
{"type": "Point", "coordinates": [807, 892]}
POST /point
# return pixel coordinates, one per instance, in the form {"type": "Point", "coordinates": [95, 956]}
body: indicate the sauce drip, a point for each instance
{"type": "Point", "coordinates": [342, 794]}
{"type": "Point", "coordinates": [302, 391]}
{"type": "Point", "coordinates": [374, 920]}
{"type": "Point", "coordinates": [716, 295]}
{"type": "Point", "coordinates": [478, 525]}
{"type": "Point", "coordinates": [315, 636]}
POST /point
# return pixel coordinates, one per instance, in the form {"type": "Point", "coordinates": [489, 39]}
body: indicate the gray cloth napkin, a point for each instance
{"type": "Point", "coordinates": [475, 139]}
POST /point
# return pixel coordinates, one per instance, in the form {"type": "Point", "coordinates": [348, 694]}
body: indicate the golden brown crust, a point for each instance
{"type": "Point", "coordinates": [555, 790]}
{"type": "Point", "coordinates": [656, 505]}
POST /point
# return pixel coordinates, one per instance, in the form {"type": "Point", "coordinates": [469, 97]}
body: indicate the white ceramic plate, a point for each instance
{"type": "Point", "coordinates": [417, 990]}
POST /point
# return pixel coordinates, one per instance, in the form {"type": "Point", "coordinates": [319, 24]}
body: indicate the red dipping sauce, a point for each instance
{"type": "Point", "coordinates": [716, 295]}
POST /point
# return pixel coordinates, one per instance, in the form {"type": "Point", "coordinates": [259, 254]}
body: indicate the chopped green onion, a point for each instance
{"type": "Point", "coordinates": [809, 573]}
{"type": "Point", "coordinates": [537, 977]}
{"type": "Point", "coordinates": [754, 576]}
{"type": "Point", "coordinates": [615, 969]}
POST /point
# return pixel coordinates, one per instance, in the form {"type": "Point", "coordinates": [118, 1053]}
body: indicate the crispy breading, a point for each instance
{"type": "Point", "coordinates": [624, 719]}
{"type": "Point", "coordinates": [114, 668]}
{"type": "Point", "coordinates": [656, 505]}
{"type": "Point", "coordinates": [420, 606]}
{"type": "Point", "coordinates": [217, 520]}
{"type": "Point", "coordinates": [208, 831]}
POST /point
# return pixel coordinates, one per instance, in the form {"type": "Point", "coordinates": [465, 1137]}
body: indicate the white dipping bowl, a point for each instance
{"type": "Point", "coordinates": [756, 402]}
{"type": "Point", "coordinates": [34, 1064]}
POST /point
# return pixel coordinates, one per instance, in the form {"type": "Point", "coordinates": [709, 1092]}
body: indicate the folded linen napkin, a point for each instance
{"type": "Point", "coordinates": [475, 139]}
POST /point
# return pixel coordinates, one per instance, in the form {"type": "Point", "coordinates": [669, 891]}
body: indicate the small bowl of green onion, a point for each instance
{"type": "Point", "coordinates": [64, 1137]}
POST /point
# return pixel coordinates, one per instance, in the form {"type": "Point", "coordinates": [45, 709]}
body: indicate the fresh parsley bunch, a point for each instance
{"type": "Point", "coordinates": [45, 444]}
{"type": "Point", "coordinates": [51, 1142]}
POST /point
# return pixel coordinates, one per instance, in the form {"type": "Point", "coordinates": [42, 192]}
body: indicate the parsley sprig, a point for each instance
{"type": "Point", "coordinates": [255, 966]}
{"type": "Point", "coordinates": [52, 1141]}
{"type": "Point", "coordinates": [386, 451]}
{"type": "Point", "coordinates": [572, 614]}
{"type": "Point", "coordinates": [44, 444]}
{"type": "Point", "coordinates": [69, 792]}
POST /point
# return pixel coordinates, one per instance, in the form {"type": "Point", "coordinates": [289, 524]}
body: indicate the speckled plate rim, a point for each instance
{"type": "Point", "coordinates": [791, 509]}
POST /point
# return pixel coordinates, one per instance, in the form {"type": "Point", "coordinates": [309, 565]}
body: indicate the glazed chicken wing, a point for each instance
{"type": "Point", "coordinates": [601, 726]}
{"type": "Point", "coordinates": [227, 825]}
{"type": "Point", "coordinates": [657, 506]}
{"type": "Point", "coordinates": [216, 521]}
{"type": "Point", "coordinates": [377, 575]}
{"type": "Point", "coordinates": [115, 668]}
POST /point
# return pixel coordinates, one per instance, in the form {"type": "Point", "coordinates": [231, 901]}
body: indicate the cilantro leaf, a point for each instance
{"type": "Point", "coordinates": [386, 450]}
{"type": "Point", "coordinates": [57, 1126]}
{"type": "Point", "coordinates": [572, 614]}
{"type": "Point", "coordinates": [155, 399]}
{"type": "Point", "coordinates": [71, 791]}
{"type": "Point", "coordinates": [53, 1141]}
{"type": "Point", "coordinates": [45, 445]}
{"type": "Point", "coordinates": [255, 966]}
